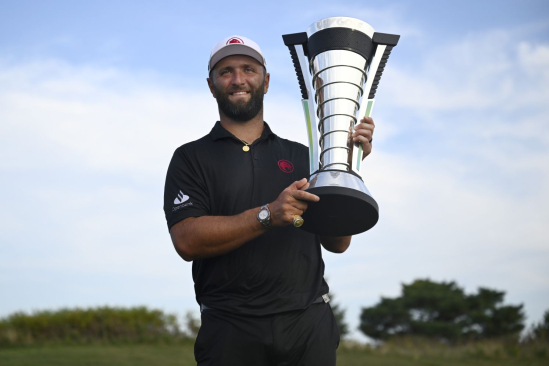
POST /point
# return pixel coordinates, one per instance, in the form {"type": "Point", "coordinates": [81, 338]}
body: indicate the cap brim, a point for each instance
{"type": "Point", "coordinates": [235, 49]}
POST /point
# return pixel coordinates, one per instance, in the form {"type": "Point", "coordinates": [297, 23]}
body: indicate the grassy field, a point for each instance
{"type": "Point", "coordinates": [182, 355]}
{"type": "Point", "coordinates": [140, 336]}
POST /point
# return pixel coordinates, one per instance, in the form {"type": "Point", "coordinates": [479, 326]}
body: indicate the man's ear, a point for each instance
{"type": "Point", "coordinates": [267, 79]}
{"type": "Point", "coordinates": [210, 85]}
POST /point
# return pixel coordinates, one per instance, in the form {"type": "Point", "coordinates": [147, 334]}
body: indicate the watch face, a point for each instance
{"type": "Point", "coordinates": [263, 214]}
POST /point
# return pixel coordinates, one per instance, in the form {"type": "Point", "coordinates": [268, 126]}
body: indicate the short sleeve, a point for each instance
{"type": "Point", "coordinates": [185, 192]}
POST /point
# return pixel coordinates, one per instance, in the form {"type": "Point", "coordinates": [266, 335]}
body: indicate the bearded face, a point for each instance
{"type": "Point", "coordinates": [240, 110]}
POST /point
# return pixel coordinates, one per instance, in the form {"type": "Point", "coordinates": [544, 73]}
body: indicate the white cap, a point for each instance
{"type": "Point", "coordinates": [235, 45]}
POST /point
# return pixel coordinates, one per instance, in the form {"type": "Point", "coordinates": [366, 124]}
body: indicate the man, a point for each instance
{"type": "Point", "coordinates": [231, 198]}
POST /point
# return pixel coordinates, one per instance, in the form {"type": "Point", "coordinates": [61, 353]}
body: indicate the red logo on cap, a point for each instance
{"type": "Point", "coordinates": [235, 40]}
{"type": "Point", "coordinates": [286, 166]}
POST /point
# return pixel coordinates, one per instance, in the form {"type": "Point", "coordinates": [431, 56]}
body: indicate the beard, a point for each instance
{"type": "Point", "coordinates": [241, 111]}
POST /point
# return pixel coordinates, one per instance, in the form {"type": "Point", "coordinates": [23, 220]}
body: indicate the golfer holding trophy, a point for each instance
{"type": "Point", "coordinates": [258, 280]}
{"type": "Point", "coordinates": [338, 62]}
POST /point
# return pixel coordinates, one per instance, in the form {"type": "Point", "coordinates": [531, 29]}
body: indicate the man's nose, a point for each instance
{"type": "Point", "coordinates": [238, 78]}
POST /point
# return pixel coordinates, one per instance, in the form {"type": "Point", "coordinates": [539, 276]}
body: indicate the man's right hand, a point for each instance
{"type": "Point", "coordinates": [292, 201]}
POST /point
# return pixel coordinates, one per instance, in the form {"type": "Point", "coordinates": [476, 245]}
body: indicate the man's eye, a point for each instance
{"type": "Point", "coordinates": [249, 69]}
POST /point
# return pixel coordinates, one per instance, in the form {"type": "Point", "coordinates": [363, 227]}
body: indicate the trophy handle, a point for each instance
{"type": "Point", "coordinates": [297, 43]}
{"type": "Point", "coordinates": [384, 45]}
{"type": "Point", "coordinates": [310, 122]}
{"type": "Point", "coordinates": [308, 106]}
{"type": "Point", "coordinates": [369, 105]}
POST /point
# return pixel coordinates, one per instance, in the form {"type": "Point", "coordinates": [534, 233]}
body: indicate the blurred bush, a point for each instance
{"type": "Point", "coordinates": [192, 324]}
{"type": "Point", "coordinates": [93, 325]}
{"type": "Point", "coordinates": [539, 333]}
{"type": "Point", "coordinates": [339, 315]}
{"type": "Point", "coordinates": [444, 312]}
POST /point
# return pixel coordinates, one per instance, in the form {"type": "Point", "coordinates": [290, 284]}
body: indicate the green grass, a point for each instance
{"type": "Point", "coordinates": [182, 355]}
{"type": "Point", "coordinates": [134, 355]}
{"type": "Point", "coordinates": [361, 358]}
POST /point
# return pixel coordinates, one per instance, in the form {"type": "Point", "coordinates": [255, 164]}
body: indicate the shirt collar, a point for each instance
{"type": "Point", "coordinates": [219, 132]}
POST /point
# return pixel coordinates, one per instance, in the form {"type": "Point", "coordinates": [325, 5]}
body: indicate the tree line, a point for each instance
{"type": "Point", "coordinates": [443, 311]}
{"type": "Point", "coordinates": [440, 311]}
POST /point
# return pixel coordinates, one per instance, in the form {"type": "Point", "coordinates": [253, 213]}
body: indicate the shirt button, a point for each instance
{"type": "Point", "coordinates": [255, 156]}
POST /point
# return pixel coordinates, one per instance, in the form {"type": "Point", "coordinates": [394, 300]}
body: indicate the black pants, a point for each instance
{"type": "Point", "coordinates": [303, 337]}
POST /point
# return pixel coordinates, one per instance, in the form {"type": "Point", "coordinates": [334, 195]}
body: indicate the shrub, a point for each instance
{"type": "Point", "coordinates": [92, 325]}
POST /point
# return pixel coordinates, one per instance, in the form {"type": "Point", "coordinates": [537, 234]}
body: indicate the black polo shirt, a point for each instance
{"type": "Point", "coordinates": [278, 271]}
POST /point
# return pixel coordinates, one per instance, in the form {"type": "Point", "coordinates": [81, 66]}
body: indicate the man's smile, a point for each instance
{"type": "Point", "coordinates": [240, 93]}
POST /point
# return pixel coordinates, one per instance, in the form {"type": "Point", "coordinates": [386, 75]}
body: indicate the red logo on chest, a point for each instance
{"type": "Point", "coordinates": [286, 166]}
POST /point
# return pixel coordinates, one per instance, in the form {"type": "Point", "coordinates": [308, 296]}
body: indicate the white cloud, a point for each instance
{"type": "Point", "coordinates": [100, 118]}
{"type": "Point", "coordinates": [482, 71]}
{"type": "Point", "coordinates": [534, 58]}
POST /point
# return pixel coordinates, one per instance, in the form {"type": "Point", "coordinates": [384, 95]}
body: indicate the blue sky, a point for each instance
{"type": "Point", "coordinates": [95, 96]}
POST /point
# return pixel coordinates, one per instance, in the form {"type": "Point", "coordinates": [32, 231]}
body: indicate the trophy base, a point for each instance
{"type": "Point", "coordinates": [345, 207]}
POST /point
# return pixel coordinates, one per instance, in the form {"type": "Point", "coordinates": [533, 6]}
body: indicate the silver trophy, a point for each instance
{"type": "Point", "coordinates": [338, 62]}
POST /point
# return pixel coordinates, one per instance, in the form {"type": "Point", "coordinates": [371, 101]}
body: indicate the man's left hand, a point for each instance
{"type": "Point", "coordinates": [364, 132]}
